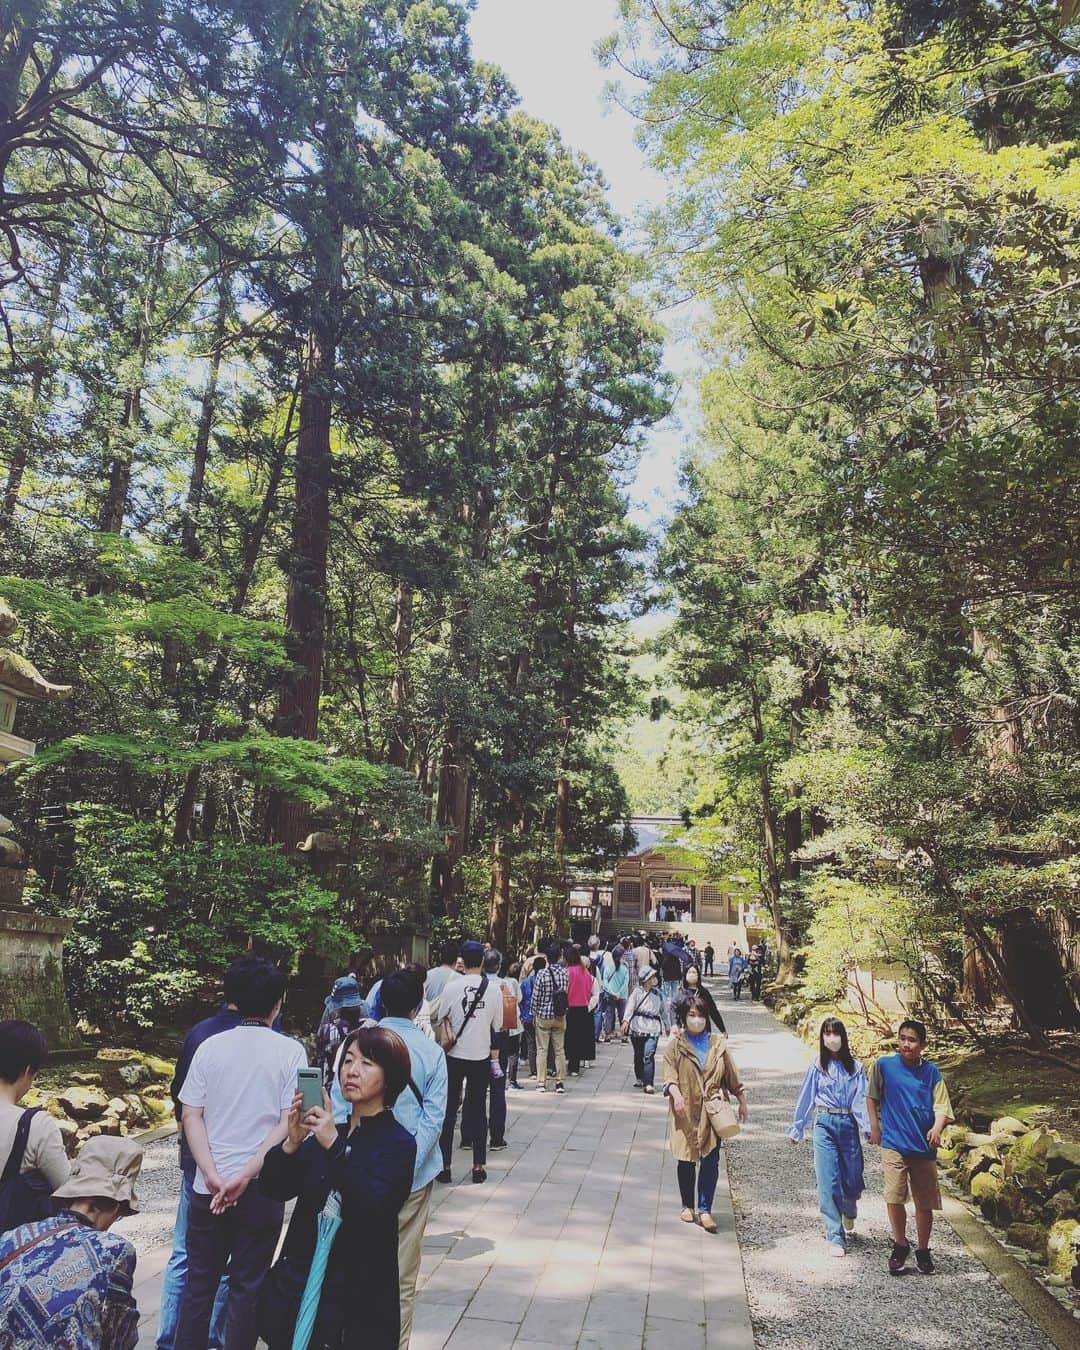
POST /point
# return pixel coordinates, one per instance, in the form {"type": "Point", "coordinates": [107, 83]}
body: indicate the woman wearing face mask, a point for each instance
{"type": "Point", "coordinates": [697, 1066]}
{"type": "Point", "coordinates": [835, 1085]}
{"type": "Point", "coordinates": [692, 985]}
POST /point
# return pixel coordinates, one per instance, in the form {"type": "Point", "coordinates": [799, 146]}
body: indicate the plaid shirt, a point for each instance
{"type": "Point", "coordinates": [543, 995]}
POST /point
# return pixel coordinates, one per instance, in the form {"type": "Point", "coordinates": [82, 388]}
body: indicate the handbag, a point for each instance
{"type": "Point", "coordinates": [722, 1117]}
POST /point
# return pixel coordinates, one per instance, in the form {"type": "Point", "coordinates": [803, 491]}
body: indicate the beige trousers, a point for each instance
{"type": "Point", "coordinates": [412, 1220]}
{"type": "Point", "coordinates": [550, 1029]}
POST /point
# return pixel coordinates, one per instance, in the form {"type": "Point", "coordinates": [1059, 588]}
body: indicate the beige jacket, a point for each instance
{"type": "Point", "coordinates": [690, 1135]}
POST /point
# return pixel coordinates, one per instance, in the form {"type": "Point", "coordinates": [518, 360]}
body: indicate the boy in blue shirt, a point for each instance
{"type": "Point", "coordinates": [909, 1107]}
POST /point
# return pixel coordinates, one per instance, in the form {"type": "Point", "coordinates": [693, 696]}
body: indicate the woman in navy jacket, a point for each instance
{"type": "Point", "coordinates": [369, 1161]}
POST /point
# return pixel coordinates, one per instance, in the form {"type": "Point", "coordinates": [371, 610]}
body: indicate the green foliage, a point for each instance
{"type": "Point", "coordinates": [315, 433]}
{"type": "Point", "coordinates": [151, 922]}
{"type": "Point", "coordinates": [856, 927]}
{"type": "Point", "coordinates": [875, 563]}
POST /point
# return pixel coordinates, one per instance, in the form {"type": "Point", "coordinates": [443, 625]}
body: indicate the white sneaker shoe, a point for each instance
{"type": "Point", "coordinates": [835, 1249]}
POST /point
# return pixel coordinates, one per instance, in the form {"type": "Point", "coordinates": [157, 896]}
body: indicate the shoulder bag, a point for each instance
{"type": "Point", "coordinates": [722, 1117]}
{"type": "Point", "coordinates": [24, 1196]}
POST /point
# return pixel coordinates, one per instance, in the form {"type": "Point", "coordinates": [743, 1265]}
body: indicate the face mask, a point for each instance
{"type": "Point", "coordinates": [695, 1025]}
{"type": "Point", "coordinates": [833, 1043]}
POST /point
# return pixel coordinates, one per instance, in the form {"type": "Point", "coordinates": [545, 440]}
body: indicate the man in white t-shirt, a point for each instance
{"type": "Point", "coordinates": [236, 1099]}
{"type": "Point", "coordinates": [473, 1003]}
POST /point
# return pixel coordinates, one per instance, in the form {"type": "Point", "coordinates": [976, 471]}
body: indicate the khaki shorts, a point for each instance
{"type": "Point", "coordinates": [920, 1174]}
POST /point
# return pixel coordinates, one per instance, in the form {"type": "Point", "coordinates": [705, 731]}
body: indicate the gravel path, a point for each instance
{"type": "Point", "coordinates": [801, 1298]}
{"type": "Point", "coordinates": [158, 1191]}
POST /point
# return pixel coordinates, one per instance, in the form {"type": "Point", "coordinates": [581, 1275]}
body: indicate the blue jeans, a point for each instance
{"type": "Point", "coordinates": [598, 1016]}
{"type": "Point", "coordinates": [708, 1171]}
{"type": "Point", "coordinates": [644, 1058]}
{"type": "Point", "coordinates": [613, 1014]}
{"type": "Point", "coordinates": [669, 992]}
{"type": "Point", "coordinates": [175, 1279]}
{"type": "Point", "coordinates": [838, 1162]}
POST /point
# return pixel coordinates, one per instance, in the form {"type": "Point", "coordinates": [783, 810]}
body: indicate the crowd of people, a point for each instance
{"type": "Point", "coordinates": [360, 1139]}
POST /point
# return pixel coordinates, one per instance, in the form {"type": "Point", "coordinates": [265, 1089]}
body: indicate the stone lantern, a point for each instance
{"type": "Point", "coordinates": [31, 945]}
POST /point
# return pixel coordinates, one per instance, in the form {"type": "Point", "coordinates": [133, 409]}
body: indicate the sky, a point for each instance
{"type": "Point", "coordinates": [546, 47]}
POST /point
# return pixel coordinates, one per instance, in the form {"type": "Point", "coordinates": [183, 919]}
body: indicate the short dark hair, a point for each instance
{"type": "Point", "coordinates": [450, 951]}
{"type": "Point", "coordinates": [554, 951]}
{"type": "Point", "coordinates": [492, 961]}
{"type": "Point", "coordinates": [22, 1047]}
{"type": "Point", "coordinates": [910, 1024]}
{"type": "Point", "coordinates": [259, 988]}
{"type": "Point", "coordinates": [683, 1006]}
{"type": "Point", "coordinates": [539, 963]}
{"type": "Point", "coordinates": [237, 974]}
{"type": "Point", "coordinates": [388, 1051]}
{"type": "Point", "coordinates": [401, 992]}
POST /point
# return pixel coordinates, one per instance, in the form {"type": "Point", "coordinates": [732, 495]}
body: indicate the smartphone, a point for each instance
{"type": "Point", "coordinates": [309, 1085]}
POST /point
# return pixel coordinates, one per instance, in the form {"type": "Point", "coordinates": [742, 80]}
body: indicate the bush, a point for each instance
{"type": "Point", "coordinates": [854, 925]}
{"type": "Point", "coordinates": [153, 921]}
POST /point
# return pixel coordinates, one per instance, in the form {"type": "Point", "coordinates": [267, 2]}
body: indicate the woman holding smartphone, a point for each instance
{"type": "Point", "coordinates": [369, 1162]}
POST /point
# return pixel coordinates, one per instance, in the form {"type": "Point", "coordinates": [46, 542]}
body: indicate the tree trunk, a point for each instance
{"type": "Point", "coordinates": [185, 809]}
{"type": "Point", "coordinates": [305, 611]}
{"type": "Point", "coordinates": [189, 529]}
{"type": "Point", "coordinates": [398, 750]}
{"type": "Point", "coordinates": [499, 903]}
{"type": "Point", "coordinates": [39, 368]}
{"type": "Point", "coordinates": [115, 505]}
{"type": "Point", "coordinates": [781, 931]}
{"type": "Point", "coordinates": [452, 818]}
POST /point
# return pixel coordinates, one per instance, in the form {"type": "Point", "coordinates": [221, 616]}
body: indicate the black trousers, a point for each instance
{"type": "Point", "coordinates": [243, 1238]}
{"type": "Point", "coordinates": [756, 973]}
{"type": "Point", "coordinates": [477, 1073]}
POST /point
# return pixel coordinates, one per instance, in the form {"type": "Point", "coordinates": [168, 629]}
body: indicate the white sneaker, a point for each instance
{"type": "Point", "coordinates": [835, 1249]}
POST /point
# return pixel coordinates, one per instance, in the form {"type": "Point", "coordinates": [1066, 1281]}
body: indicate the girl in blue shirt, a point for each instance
{"type": "Point", "coordinates": [835, 1087]}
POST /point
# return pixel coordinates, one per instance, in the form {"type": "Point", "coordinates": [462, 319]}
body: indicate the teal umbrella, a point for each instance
{"type": "Point", "coordinates": [329, 1222]}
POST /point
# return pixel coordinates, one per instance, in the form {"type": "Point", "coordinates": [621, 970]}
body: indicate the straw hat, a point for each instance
{"type": "Point", "coordinates": [106, 1167]}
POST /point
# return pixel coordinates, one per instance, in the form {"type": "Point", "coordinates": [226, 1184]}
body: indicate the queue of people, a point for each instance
{"type": "Point", "coordinates": [360, 1140]}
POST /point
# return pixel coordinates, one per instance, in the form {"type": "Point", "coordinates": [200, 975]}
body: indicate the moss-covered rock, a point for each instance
{"type": "Point", "coordinates": [1061, 1205]}
{"type": "Point", "coordinates": [84, 1103]}
{"type": "Point", "coordinates": [978, 1160]}
{"type": "Point", "coordinates": [1062, 1155]}
{"type": "Point", "coordinates": [955, 1136]}
{"type": "Point", "coordinates": [1034, 1144]}
{"type": "Point", "coordinates": [1013, 1206]}
{"type": "Point", "coordinates": [986, 1187]}
{"type": "Point", "coordinates": [1069, 1179]}
{"type": "Point", "coordinates": [1026, 1161]}
{"type": "Point", "coordinates": [1061, 1254]}
{"type": "Point", "coordinates": [1007, 1126]}
{"type": "Point", "coordinates": [1031, 1236]}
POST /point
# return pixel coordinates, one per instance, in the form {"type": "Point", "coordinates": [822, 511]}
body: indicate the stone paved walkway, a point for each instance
{"type": "Point", "coordinates": [574, 1240]}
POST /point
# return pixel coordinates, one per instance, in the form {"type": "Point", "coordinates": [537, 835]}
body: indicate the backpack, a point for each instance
{"type": "Point", "coordinates": [510, 1008]}
{"type": "Point", "coordinates": [559, 998]}
{"type": "Point", "coordinates": [24, 1196]}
